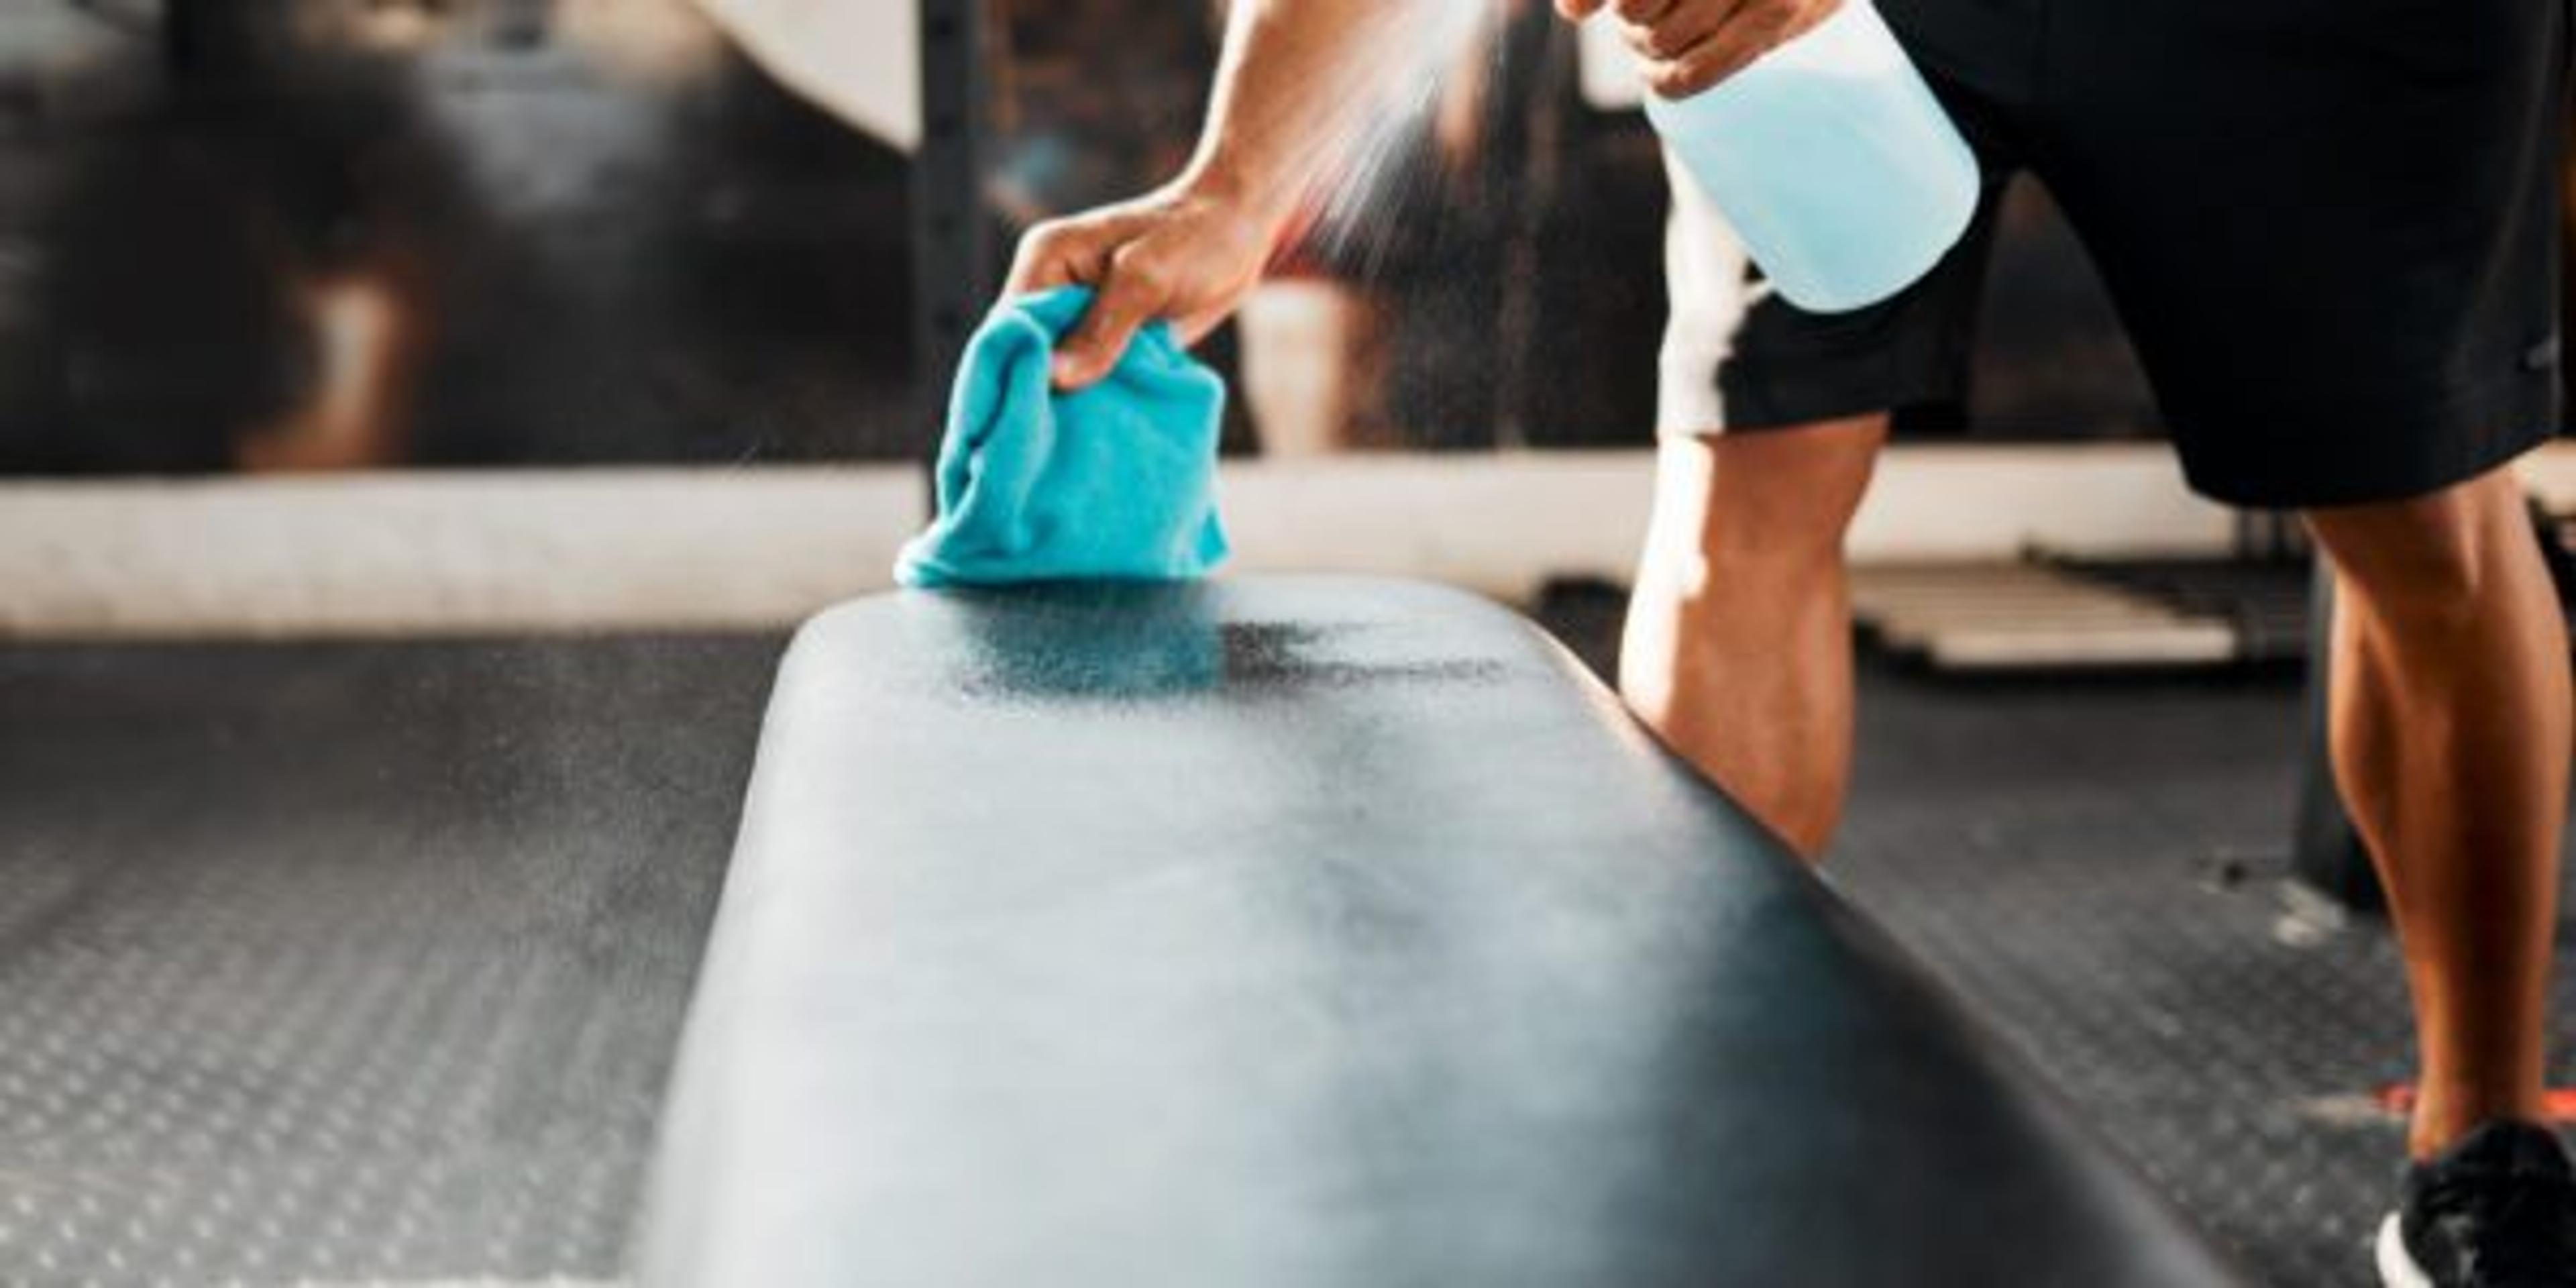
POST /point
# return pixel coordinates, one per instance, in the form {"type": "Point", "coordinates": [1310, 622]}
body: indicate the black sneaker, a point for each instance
{"type": "Point", "coordinates": [2497, 1210]}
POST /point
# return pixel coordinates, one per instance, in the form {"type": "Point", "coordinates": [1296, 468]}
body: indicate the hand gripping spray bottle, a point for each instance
{"type": "Point", "coordinates": [1832, 161]}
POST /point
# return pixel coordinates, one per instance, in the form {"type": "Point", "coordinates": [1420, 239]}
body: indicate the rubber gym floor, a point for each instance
{"type": "Point", "coordinates": [363, 962]}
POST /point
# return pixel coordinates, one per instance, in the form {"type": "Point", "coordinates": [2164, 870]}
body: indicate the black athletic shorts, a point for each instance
{"type": "Point", "coordinates": [2330, 227]}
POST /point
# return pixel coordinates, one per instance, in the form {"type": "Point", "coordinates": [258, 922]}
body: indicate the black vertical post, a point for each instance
{"type": "Point", "coordinates": [210, 48]}
{"type": "Point", "coordinates": [952, 239]}
{"type": "Point", "coordinates": [2326, 853]}
{"type": "Point", "coordinates": [178, 39]}
{"type": "Point", "coordinates": [183, 40]}
{"type": "Point", "coordinates": [1523, 171]}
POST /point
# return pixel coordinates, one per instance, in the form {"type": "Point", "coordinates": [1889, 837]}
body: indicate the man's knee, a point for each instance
{"type": "Point", "coordinates": [1775, 500]}
{"type": "Point", "coordinates": [2435, 557]}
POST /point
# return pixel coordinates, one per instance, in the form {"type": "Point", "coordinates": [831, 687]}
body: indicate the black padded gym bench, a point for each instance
{"type": "Point", "coordinates": [1314, 932]}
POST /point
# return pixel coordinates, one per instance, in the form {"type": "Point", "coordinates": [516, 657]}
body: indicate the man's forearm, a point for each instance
{"type": "Point", "coordinates": [1298, 83]}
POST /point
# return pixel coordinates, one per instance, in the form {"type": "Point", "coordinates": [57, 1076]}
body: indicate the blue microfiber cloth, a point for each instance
{"type": "Point", "coordinates": [1115, 481]}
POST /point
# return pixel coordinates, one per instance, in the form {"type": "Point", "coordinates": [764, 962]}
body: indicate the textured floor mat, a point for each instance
{"type": "Point", "coordinates": [351, 963]}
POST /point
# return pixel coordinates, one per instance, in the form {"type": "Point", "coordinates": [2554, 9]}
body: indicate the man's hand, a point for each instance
{"type": "Point", "coordinates": [1691, 45]}
{"type": "Point", "coordinates": [1180, 254]}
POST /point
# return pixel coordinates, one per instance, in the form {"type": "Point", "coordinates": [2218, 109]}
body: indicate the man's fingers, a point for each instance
{"type": "Point", "coordinates": [1578, 10]}
{"type": "Point", "coordinates": [1679, 32]}
{"type": "Point", "coordinates": [1127, 298]}
{"type": "Point", "coordinates": [1704, 65]}
{"type": "Point", "coordinates": [1066, 252]}
{"type": "Point", "coordinates": [1044, 258]}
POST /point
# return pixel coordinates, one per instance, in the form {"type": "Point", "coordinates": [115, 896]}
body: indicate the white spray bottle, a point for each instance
{"type": "Point", "coordinates": [1832, 161]}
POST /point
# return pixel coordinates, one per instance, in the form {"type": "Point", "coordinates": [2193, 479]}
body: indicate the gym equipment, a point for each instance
{"type": "Point", "coordinates": [1313, 931]}
{"type": "Point", "coordinates": [2045, 613]}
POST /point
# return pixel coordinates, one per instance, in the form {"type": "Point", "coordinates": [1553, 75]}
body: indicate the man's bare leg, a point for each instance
{"type": "Point", "coordinates": [1738, 649]}
{"type": "Point", "coordinates": [2450, 727]}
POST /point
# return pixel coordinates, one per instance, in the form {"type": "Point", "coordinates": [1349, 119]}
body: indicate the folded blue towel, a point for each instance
{"type": "Point", "coordinates": [1117, 480]}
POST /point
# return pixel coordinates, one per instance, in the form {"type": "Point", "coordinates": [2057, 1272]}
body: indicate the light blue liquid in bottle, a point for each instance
{"type": "Point", "coordinates": [1832, 161]}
